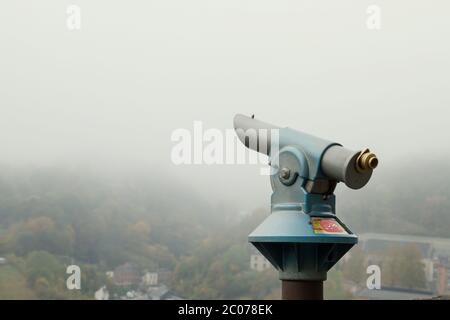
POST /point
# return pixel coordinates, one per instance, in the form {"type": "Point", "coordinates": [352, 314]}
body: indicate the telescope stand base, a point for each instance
{"type": "Point", "coordinates": [301, 290]}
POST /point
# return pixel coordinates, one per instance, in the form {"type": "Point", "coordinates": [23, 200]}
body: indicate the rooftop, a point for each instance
{"type": "Point", "coordinates": [441, 246]}
{"type": "Point", "coordinates": [393, 294]}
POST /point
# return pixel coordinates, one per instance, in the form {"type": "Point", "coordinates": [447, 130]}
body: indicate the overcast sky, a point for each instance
{"type": "Point", "coordinates": [113, 92]}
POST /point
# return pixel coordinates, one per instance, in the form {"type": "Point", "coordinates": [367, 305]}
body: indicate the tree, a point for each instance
{"type": "Point", "coordinates": [333, 286]}
{"type": "Point", "coordinates": [354, 268]}
{"type": "Point", "coordinates": [41, 264]}
{"type": "Point", "coordinates": [403, 267]}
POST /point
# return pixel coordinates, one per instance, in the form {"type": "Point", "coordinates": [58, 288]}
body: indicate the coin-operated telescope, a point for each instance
{"type": "Point", "coordinates": [302, 237]}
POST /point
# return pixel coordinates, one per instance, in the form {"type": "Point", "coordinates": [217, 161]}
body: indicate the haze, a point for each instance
{"type": "Point", "coordinates": [110, 95]}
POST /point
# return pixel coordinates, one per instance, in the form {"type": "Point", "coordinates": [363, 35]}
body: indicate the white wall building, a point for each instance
{"type": "Point", "coordinates": [102, 294]}
{"type": "Point", "coordinates": [150, 279]}
{"type": "Point", "coordinates": [258, 262]}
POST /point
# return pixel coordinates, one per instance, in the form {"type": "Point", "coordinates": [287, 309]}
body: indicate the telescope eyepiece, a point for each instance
{"type": "Point", "coordinates": [366, 161]}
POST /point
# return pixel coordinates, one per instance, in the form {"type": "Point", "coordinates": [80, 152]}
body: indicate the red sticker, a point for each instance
{"type": "Point", "coordinates": [327, 226]}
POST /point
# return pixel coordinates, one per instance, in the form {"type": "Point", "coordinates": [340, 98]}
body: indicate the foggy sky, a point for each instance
{"type": "Point", "coordinates": [111, 94]}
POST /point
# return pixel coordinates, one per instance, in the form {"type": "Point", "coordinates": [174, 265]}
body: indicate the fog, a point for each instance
{"type": "Point", "coordinates": [108, 96]}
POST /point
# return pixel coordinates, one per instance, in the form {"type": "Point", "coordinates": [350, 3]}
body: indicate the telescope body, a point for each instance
{"type": "Point", "coordinates": [329, 160]}
{"type": "Point", "coordinates": [302, 237]}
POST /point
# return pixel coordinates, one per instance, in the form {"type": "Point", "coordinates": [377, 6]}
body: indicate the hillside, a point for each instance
{"type": "Point", "coordinates": [51, 218]}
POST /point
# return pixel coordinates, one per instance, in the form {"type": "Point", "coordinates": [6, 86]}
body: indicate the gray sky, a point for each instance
{"type": "Point", "coordinates": [111, 93]}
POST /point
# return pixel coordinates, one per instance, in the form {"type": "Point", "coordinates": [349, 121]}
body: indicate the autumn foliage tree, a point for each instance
{"type": "Point", "coordinates": [403, 267]}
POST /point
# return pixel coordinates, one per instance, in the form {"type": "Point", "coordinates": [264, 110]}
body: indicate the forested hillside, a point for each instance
{"type": "Point", "coordinates": [51, 218]}
{"type": "Point", "coordinates": [405, 198]}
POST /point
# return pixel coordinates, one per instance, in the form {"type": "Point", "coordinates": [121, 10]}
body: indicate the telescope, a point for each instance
{"type": "Point", "coordinates": [302, 237]}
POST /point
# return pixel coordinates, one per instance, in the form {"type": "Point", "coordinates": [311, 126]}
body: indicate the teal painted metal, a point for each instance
{"type": "Point", "coordinates": [311, 147]}
{"type": "Point", "coordinates": [293, 227]}
{"type": "Point", "coordinates": [287, 237]}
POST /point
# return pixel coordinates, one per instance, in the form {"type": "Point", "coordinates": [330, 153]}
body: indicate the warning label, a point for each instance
{"type": "Point", "coordinates": [327, 226]}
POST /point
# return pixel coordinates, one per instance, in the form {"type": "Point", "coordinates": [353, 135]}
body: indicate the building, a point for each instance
{"type": "Point", "coordinates": [101, 294]}
{"type": "Point", "coordinates": [258, 262]}
{"type": "Point", "coordinates": [161, 292]}
{"type": "Point", "coordinates": [157, 293]}
{"type": "Point", "coordinates": [150, 279]}
{"type": "Point", "coordinates": [435, 255]}
{"type": "Point", "coordinates": [441, 275]}
{"type": "Point", "coordinates": [2, 261]}
{"type": "Point", "coordinates": [149, 286]}
{"type": "Point", "coordinates": [393, 294]}
{"type": "Point", "coordinates": [429, 246]}
{"type": "Point", "coordinates": [126, 274]}
{"type": "Point", "coordinates": [441, 279]}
